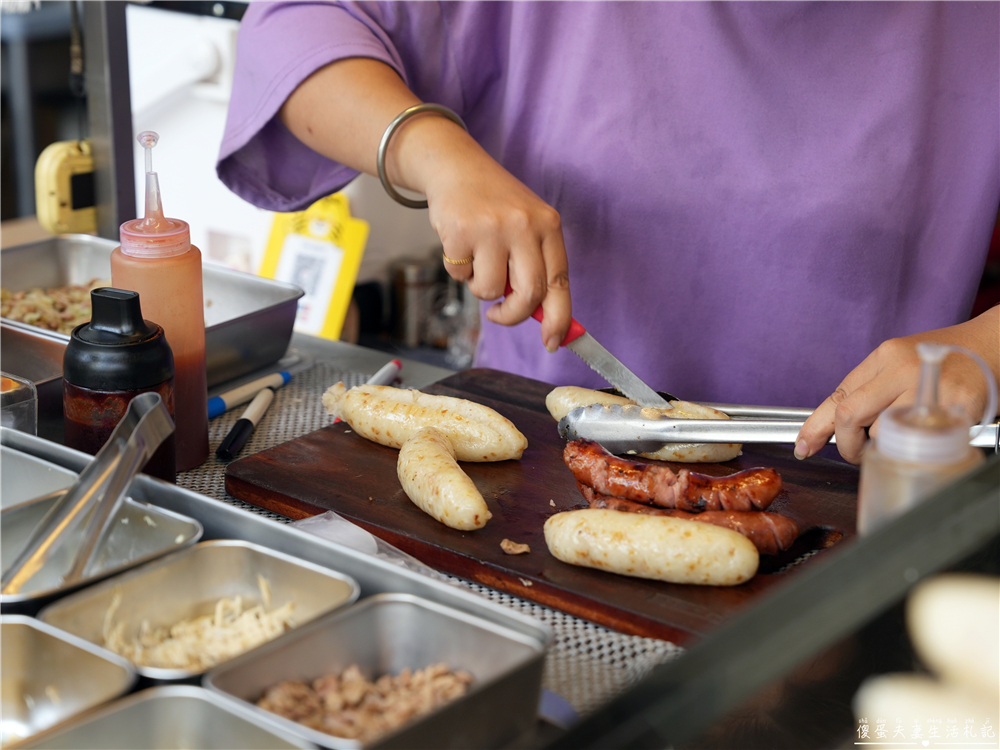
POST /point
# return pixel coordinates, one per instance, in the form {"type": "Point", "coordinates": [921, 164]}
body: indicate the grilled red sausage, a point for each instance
{"type": "Point", "coordinates": [771, 533]}
{"type": "Point", "coordinates": [657, 484]}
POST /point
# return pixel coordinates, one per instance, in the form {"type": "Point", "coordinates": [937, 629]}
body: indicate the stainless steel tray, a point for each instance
{"type": "Point", "coordinates": [248, 319]}
{"type": "Point", "coordinates": [24, 477]}
{"type": "Point", "coordinates": [140, 532]}
{"type": "Point", "coordinates": [37, 355]}
{"type": "Point", "coordinates": [189, 583]}
{"type": "Point", "coordinates": [385, 634]}
{"type": "Point", "coordinates": [50, 676]}
{"type": "Point", "coordinates": [374, 575]}
{"type": "Point", "coordinates": [166, 717]}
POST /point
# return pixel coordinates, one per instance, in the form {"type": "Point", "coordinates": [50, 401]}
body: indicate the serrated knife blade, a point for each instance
{"type": "Point", "coordinates": [609, 367]}
{"type": "Point", "coordinates": [605, 364]}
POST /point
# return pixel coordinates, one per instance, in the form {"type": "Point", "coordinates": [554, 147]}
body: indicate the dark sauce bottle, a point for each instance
{"type": "Point", "coordinates": [108, 362]}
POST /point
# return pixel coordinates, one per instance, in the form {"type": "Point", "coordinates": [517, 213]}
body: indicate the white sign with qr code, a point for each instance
{"type": "Point", "coordinates": [313, 265]}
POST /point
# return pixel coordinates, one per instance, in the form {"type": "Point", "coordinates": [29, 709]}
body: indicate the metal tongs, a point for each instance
{"type": "Point", "coordinates": [635, 429]}
{"type": "Point", "coordinates": [98, 492]}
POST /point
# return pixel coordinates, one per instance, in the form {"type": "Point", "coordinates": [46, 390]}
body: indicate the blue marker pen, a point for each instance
{"type": "Point", "coordinates": [221, 404]}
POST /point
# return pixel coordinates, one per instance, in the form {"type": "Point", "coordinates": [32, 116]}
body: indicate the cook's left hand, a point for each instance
{"type": "Point", "coordinates": [889, 377]}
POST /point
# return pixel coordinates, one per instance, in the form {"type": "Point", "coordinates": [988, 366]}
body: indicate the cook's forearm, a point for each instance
{"type": "Point", "coordinates": [342, 110]}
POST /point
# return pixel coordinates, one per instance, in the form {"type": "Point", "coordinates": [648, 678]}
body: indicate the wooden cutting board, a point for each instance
{"type": "Point", "coordinates": [335, 469]}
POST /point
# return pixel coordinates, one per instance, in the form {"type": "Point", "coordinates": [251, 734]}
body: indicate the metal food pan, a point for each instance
{"type": "Point", "coordinates": [169, 716]}
{"type": "Point", "coordinates": [24, 477]}
{"type": "Point", "coordinates": [385, 634]}
{"type": "Point", "coordinates": [50, 676]}
{"type": "Point", "coordinates": [188, 584]}
{"type": "Point", "coordinates": [139, 533]}
{"type": "Point", "coordinates": [248, 319]}
{"type": "Point", "coordinates": [37, 355]}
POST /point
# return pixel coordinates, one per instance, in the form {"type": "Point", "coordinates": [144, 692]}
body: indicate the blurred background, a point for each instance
{"type": "Point", "coordinates": [180, 58]}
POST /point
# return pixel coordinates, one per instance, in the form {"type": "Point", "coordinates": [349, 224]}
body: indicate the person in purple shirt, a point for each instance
{"type": "Point", "coordinates": [762, 203]}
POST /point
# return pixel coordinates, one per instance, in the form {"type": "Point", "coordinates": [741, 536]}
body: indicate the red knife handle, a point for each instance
{"type": "Point", "coordinates": [575, 329]}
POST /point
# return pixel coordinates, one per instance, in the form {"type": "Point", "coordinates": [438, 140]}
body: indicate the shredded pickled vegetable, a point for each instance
{"type": "Point", "coordinates": [201, 642]}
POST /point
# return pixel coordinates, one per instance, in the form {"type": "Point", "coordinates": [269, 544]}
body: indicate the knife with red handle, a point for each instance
{"type": "Point", "coordinates": [604, 363]}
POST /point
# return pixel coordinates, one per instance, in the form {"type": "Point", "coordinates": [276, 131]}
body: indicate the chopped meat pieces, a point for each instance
{"type": "Point", "coordinates": [348, 705]}
{"type": "Point", "coordinates": [296, 701]}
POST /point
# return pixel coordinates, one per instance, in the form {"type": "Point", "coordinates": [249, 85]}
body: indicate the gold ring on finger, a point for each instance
{"type": "Point", "coordinates": [452, 261]}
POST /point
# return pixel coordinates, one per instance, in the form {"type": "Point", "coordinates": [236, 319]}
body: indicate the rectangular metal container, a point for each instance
{"type": "Point", "coordinates": [37, 355]}
{"type": "Point", "coordinates": [24, 477]}
{"type": "Point", "coordinates": [50, 676]}
{"type": "Point", "coordinates": [385, 634]}
{"type": "Point", "coordinates": [164, 717]}
{"type": "Point", "coordinates": [248, 319]}
{"type": "Point", "coordinates": [139, 533]}
{"type": "Point", "coordinates": [188, 584]}
{"type": "Point", "coordinates": [18, 403]}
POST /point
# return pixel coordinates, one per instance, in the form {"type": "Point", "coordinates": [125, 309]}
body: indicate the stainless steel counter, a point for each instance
{"type": "Point", "coordinates": [842, 617]}
{"type": "Point", "coordinates": [353, 358]}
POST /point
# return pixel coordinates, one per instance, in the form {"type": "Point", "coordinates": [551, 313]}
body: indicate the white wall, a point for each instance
{"type": "Point", "coordinates": [181, 76]}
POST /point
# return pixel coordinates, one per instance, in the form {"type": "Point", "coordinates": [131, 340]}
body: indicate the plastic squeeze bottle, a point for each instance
{"type": "Point", "coordinates": [918, 448]}
{"type": "Point", "coordinates": [157, 260]}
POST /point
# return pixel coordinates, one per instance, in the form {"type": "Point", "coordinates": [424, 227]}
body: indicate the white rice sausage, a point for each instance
{"type": "Point", "coordinates": [657, 547]}
{"type": "Point", "coordinates": [562, 400]}
{"type": "Point", "coordinates": [435, 483]}
{"type": "Point", "coordinates": [391, 416]}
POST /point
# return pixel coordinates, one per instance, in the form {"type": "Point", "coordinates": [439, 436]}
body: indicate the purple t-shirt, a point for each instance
{"type": "Point", "coordinates": [753, 195]}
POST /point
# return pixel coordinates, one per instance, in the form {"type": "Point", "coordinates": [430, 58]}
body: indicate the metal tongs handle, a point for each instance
{"type": "Point", "coordinates": [630, 428]}
{"type": "Point", "coordinates": [140, 432]}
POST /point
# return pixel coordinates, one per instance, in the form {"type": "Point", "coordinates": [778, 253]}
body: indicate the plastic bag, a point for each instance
{"type": "Point", "coordinates": [335, 528]}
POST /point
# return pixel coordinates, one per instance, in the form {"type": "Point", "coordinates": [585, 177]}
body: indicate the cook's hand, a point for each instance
{"type": "Point", "coordinates": [889, 377]}
{"type": "Point", "coordinates": [478, 208]}
{"type": "Point", "coordinates": [483, 212]}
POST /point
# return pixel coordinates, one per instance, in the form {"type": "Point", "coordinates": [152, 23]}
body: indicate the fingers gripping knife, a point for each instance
{"type": "Point", "coordinates": [605, 364]}
{"type": "Point", "coordinates": [97, 492]}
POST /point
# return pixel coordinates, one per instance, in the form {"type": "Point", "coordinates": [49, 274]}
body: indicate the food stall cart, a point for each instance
{"type": "Point", "coordinates": [598, 661]}
{"type": "Point", "coordinates": [795, 654]}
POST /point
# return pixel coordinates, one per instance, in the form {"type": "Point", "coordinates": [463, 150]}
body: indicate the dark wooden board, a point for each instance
{"type": "Point", "coordinates": [335, 469]}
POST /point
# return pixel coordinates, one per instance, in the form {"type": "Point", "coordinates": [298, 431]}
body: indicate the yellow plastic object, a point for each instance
{"type": "Point", "coordinates": [318, 250]}
{"type": "Point", "coordinates": [54, 198]}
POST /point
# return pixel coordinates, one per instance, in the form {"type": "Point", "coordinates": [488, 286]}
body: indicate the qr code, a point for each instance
{"type": "Point", "coordinates": [306, 272]}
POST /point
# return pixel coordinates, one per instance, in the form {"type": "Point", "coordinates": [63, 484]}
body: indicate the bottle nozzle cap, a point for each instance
{"type": "Point", "coordinates": [927, 432]}
{"type": "Point", "coordinates": [154, 236]}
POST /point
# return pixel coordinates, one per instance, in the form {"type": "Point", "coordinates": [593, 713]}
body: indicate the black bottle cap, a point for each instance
{"type": "Point", "coordinates": [117, 350]}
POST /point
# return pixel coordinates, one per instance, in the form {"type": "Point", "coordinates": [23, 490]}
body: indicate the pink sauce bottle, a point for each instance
{"type": "Point", "coordinates": [157, 260]}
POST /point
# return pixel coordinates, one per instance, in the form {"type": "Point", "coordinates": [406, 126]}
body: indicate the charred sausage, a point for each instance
{"type": "Point", "coordinates": [770, 533]}
{"type": "Point", "coordinates": [656, 484]}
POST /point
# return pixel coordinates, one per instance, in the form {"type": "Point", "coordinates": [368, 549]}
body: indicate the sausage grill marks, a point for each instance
{"type": "Point", "coordinates": [656, 484]}
{"type": "Point", "coordinates": [770, 533]}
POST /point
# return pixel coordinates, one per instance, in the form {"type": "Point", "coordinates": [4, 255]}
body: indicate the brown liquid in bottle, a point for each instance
{"type": "Point", "coordinates": [171, 293]}
{"type": "Point", "coordinates": [157, 260]}
{"type": "Point", "coordinates": [110, 360]}
{"type": "Point", "coordinates": [89, 418]}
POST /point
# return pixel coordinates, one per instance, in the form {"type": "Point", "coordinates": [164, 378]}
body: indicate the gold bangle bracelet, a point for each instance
{"type": "Point", "coordinates": [383, 146]}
